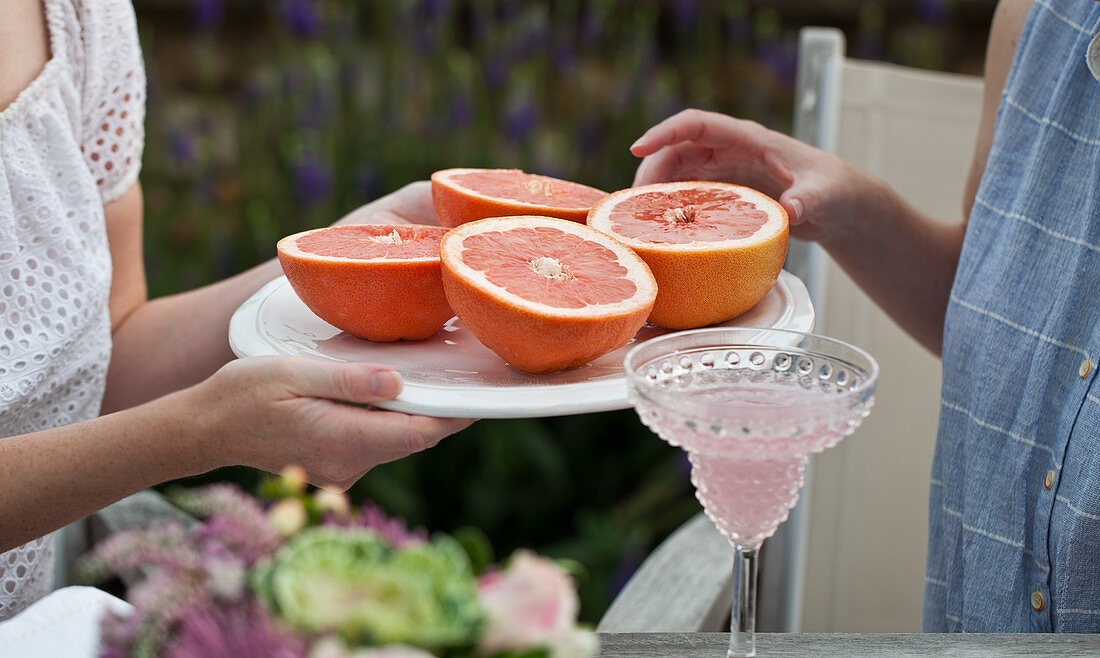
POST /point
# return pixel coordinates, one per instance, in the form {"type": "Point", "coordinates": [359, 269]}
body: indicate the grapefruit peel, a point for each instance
{"type": "Point", "coordinates": [494, 291]}
{"type": "Point", "coordinates": [701, 281]}
{"type": "Point", "coordinates": [386, 287]}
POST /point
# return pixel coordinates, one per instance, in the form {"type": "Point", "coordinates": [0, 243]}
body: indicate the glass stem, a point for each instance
{"type": "Point", "coordinates": [743, 615]}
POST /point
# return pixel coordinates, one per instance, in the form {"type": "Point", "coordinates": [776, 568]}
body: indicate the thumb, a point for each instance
{"type": "Point", "coordinates": [348, 382]}
{"type": "Point", "coordinates": [793, 202]}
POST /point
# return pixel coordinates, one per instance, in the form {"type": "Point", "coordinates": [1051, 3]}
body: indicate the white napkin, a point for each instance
{"type": "Point", "coordinates": [64, 624]}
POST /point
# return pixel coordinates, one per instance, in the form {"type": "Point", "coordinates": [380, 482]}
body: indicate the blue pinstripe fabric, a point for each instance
{"type": "Point", "coordinates": [1024, 314]}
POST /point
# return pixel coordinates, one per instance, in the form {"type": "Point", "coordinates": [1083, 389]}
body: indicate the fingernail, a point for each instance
{"type": "Point", "coordinates": [637, 142]}
{"type": "Point", "coordinates": [385, 384]}
{"type": "Point", "coordinates": [796, 206]}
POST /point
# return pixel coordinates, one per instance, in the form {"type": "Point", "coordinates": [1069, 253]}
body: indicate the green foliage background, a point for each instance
{"type": "Point", "coordinates": [267, 118]}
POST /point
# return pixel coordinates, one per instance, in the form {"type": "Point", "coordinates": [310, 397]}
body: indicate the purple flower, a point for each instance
{"type": "Point", "coordinates": [631, 560]}
{"type": "Point", "coordinates": [182, 145]}
{"type": "Point", "coordinates": [312, 180]}
{"type": "Point", "coordinates": [593, 25]}
{"type": "Point", "coordinates": [738, 29]}
{"type": "Point", "coordinates": [235, 522]}
{"type": "Point", "coordinates": [565, 58]}
{"type": "Point", "coordinates": [684, 464]}
{"type": "Point", "coordinates": [125, 553]}
{"type": "Point", "coordinates": [244, 630]}
{"type": "Point", "coordinates": [425, 41]}
{"type": "Point", "coordinates": [686, 13]}
{"type": "Point", "coordinates": [532, 38]}
{"type": "Point", "coordinates": [117, 634]}
{"type": "Point", "coordinates": [303, 17]}
{"type": "Point", "coordinates": [933, 10]}
{"type": "Point", "coordinates": [393, 530]}
{"type": "Point", "coordinates": [496, 72]}
{"type": "Point", "coordinates": [208, 14]}
{"type": "Point", "coordinates": [590, 135]}
{"type": "Point", "coordinates": [433, 8]}
{"type": "Point", "coordinates": [462, 110]}
{"type": "Point", "coordinates": [319, 111]}
{"type": "Point", "coordinates": [162, 597]}
{"type": "Point", "coordinates": [781, 56]}
{"type": "Point", "coordinates": [521, 120]}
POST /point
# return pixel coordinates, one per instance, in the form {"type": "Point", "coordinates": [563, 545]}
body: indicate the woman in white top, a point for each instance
{"type": "Point", "coordinates": [103, 392]}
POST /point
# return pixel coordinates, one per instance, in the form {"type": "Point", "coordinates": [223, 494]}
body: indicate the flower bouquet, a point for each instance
{"type": "Point", "coordinates": [312, 577]}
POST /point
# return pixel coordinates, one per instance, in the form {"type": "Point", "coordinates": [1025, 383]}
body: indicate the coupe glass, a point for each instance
{"type": "Point", "coordinates": [749, 406]}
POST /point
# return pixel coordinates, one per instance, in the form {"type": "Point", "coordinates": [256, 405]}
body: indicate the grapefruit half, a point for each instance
{"type": "Point", "coordinates": [715, 249]}
{"type": "Point", "coordinates": [378, 282]}
{"type": "Point", "coordinates": [545, 293]}
{"type": "Point", "coordinates": [466, 195]}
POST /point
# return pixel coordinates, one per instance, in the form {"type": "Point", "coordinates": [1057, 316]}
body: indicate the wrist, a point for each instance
{"type": "Point", "coordinates": [869, 205]}
{"type": "Point", "coordinates": [193, 426]}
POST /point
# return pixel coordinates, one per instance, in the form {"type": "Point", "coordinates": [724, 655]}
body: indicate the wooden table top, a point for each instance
{"type": "Point", "coordinates": [769, 645]}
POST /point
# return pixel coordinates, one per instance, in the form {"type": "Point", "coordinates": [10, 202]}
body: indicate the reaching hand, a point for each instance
{"type": "Point", "coordinates": [817, 189]}
{"type": "Point", "coordinates": [411, 204]}
{"type": "Point", "coordinates": [268, 412]}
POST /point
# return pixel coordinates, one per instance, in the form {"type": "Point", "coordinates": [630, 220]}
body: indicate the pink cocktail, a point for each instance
{"type": "Point", "coordinates": [749, 406]}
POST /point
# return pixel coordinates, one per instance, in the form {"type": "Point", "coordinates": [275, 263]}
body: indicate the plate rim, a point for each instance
{"type": "Point", "coordinates": [607, 394]}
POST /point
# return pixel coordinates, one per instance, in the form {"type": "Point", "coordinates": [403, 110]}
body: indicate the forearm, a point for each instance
{"type": "Point", "coordinates": [904, 260]}
{"type": "Point", "coordinates": [54, 477]}
{"type": "Point", "coordinates": [177, 341]}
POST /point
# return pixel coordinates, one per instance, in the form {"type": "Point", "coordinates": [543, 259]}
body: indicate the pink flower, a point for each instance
{"type": "Point", "coordinates": [243, 630]}
{"type": "Point", "coordinates": [533, 603]}
{"type": "Point", "coordinates": [391, 529]}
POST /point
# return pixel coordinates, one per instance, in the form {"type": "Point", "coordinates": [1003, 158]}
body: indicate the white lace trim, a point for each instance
{"type": "Point", "coordinates": [69, 143]}
{"type": "Point", "coordinates": [26, 575]}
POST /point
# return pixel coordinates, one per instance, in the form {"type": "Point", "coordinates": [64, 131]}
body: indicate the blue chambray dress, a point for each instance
{"type": "Point", "coordinates": [1014, 532]}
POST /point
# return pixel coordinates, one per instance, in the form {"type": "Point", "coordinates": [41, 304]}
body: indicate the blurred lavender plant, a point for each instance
{"type": "Point", "coordinates": [312, 180]}
{"type": "Point", "coordinates": [302, 17]}
{"type": "Point", "coordinates": [208, 14]}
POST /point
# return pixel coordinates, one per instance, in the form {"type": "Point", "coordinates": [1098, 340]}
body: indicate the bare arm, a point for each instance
{"type": "Point", "coordinates": [906, 261]}
{"type": "Point", "coordinates": [903, 259]}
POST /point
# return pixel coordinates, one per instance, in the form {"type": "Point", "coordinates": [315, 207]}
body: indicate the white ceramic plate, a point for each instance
{"type": "Point", "coordinates": [451, 374]}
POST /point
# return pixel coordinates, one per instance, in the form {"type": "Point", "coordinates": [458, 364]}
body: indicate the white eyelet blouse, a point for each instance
{"type": "Point", "coordinates": [69, 143]}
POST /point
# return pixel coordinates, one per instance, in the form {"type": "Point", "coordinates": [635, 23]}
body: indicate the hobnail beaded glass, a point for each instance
{"type": "Point", "coordinates": [749, 406]}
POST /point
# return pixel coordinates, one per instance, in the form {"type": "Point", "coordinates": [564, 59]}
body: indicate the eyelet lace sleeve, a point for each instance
{"type": "Point", "coordinates": [113, 134]}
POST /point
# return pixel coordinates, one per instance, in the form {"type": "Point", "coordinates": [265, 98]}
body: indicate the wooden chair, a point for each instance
{"type": "Point", "coordinates": [916, 130]}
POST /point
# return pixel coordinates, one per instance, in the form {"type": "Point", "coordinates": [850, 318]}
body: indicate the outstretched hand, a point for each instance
{"type": "Point", "coordinates": [268, 412]}
{"type": "Point", "coordinates": [816, 188]}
